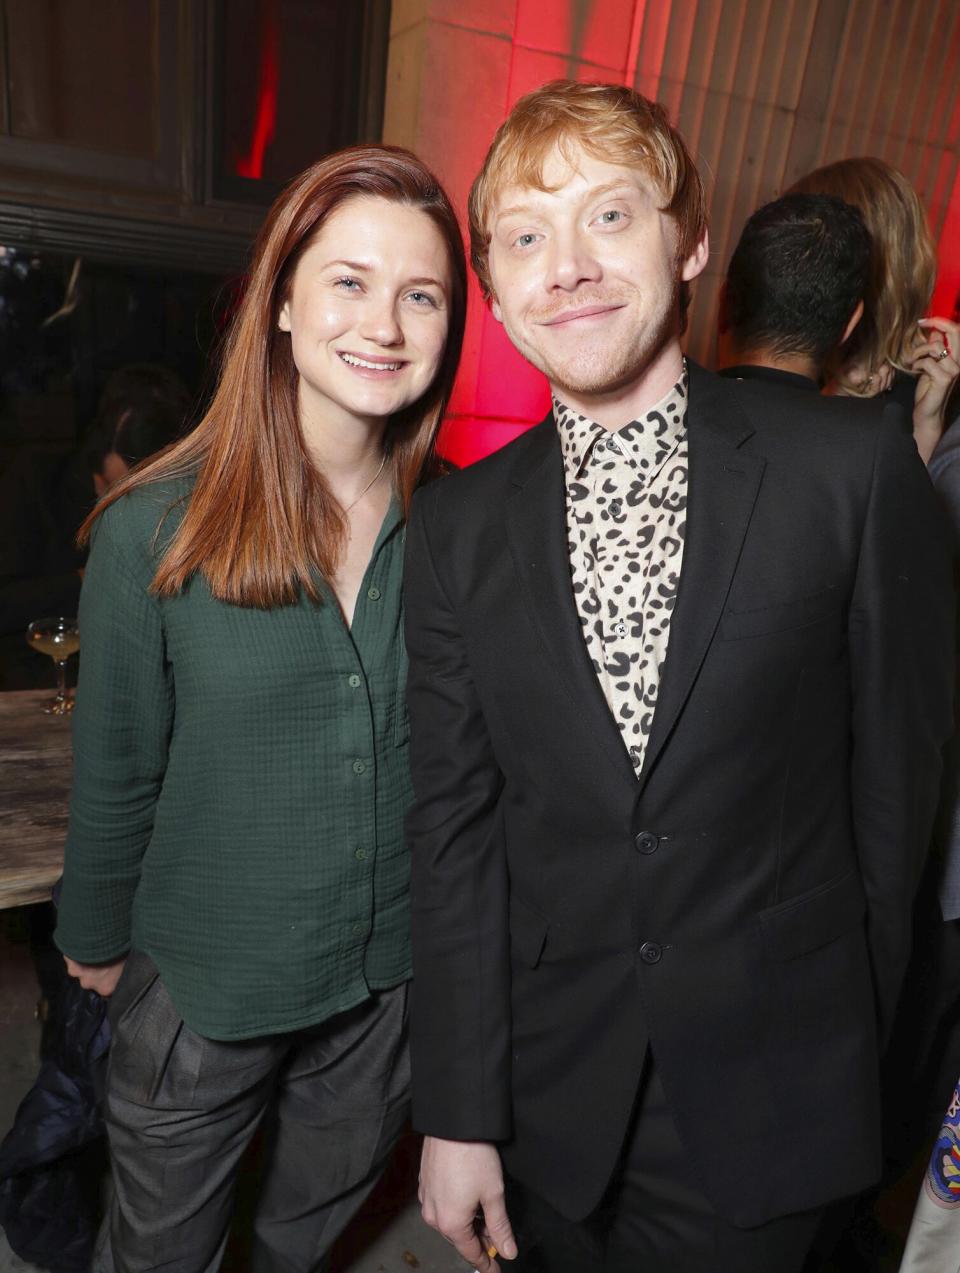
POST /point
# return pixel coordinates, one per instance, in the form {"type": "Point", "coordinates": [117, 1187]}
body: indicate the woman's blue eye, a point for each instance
{"type": "Point", "coordinates": [348, 284]}
{"type": "Point", "coordinates": [524, 240]}
{"type": "Point", "coordinates": [422, 298]}
{"type": "Point", "coordinates": [611, 216]}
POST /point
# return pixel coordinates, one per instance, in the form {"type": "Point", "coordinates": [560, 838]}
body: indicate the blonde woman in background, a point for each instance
{"type": "Point", "coordinates": [895, 348]}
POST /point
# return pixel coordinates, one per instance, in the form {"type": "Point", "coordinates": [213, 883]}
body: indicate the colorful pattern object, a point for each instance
{"type": "Point", "coordinates": [942, 1182]}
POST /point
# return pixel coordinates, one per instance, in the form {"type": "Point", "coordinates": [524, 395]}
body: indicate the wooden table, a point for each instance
{"type": "Point", "coordinates": [36, 769]}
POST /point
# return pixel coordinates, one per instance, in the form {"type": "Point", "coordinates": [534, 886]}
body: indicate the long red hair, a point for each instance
{"type": "Point", "coordinates": [261, 521]}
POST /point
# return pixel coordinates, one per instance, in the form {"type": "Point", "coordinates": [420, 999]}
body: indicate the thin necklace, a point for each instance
{"type": "Point", "coordinates": [368, 485]}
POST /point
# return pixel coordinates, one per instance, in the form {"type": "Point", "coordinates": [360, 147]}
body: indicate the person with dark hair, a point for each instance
{"type": "Point", "coordinates": [896, 352]}
{"type": "Point", "coordinates": [236, 867]}
{"type": "Point", "coordinates": [143, 408]}
{"type": "Point", "coordinates": [794, 290]}
{"type": "Point", "coordinates": [45, 498]}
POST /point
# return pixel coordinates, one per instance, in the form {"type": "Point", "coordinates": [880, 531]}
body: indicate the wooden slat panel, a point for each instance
{"type": "Point", "coordinates": [763, 92]}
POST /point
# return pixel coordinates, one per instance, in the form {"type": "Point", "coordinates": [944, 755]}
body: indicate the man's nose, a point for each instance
{"type": "Point", "coordinates": [380, 323]}
{"type": "Point", "coordinates": [571, 263]}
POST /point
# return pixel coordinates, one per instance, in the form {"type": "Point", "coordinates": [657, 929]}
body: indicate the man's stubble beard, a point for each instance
{"type": "Point", "coordinates": [621, 369]}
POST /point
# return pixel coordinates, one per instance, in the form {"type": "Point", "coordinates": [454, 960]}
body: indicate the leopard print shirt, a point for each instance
{"type": "Point", "coordinates": [626, 498]}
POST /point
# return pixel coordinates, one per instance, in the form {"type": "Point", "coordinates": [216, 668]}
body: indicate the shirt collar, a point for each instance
{"type": "Point", "coordinates": [757, 371]}
{"type": "Point", "coordinates": [645, 442]}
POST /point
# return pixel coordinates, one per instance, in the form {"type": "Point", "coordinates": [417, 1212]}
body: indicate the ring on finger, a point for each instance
{"type": "Point", "coordinates": [944, 353]}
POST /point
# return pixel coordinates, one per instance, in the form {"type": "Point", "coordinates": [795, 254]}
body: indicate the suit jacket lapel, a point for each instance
{"type": "Point", "coordinates": [724, 482]}
{"type": "Point", "coordinates": [537, 533]}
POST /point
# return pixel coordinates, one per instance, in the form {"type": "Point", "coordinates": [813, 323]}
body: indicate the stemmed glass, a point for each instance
{"type": "Point", "coordinates": [59, 637]}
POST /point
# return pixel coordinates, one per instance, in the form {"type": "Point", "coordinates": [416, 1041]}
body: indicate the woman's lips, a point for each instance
{"type": "Point", "coordinates": [364, 364]}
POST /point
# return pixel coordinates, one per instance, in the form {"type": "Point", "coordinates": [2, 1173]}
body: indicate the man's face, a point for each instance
{"type": "Point", "coordinates": [585, 276]}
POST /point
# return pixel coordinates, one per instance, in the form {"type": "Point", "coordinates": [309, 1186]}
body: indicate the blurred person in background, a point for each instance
{"type": "Point", "coordinates": [794, 291]}
{"type": "Point", "coordinates": [895, 350]}
{"type": "Point", "coordinates": [44, 499]}
{"type": "Point", "coordinates": [236, 872]}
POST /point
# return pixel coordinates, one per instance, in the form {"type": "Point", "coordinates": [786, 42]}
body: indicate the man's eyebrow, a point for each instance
{"type": "Point", "coordinates": [595, 192]}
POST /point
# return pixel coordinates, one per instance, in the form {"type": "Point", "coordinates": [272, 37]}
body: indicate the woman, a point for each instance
{"type": "Point", "coordinates": [893, 336]}
{"type": "Point", "coordinates": [236, 845]}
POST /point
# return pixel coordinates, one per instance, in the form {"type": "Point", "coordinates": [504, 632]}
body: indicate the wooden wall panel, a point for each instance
{"type": "Point", "coordinates": [106, 99]}
{"type": "Point", "coordinates": [765, 90]}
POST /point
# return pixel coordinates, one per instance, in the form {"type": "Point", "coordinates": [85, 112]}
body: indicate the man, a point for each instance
{"type": "Point", "coordinates": [674, 766]}
{"type": "Point", "coordinates": [794, 290]}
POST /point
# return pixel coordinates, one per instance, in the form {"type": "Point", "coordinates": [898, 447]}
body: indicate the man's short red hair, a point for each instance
{"type": "Point", "coordinates": [612, 123]}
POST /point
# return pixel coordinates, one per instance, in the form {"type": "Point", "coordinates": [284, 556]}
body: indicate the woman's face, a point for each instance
{"type": "Point", "coordinates": [368, 312]}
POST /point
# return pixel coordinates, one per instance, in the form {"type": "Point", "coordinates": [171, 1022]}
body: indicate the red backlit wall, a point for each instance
{"type": "Point", "coordinates": [763, 91]}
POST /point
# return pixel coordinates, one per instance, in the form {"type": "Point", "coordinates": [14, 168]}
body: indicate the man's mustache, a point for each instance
{"type": "Point", "coordinates": [584, 300]}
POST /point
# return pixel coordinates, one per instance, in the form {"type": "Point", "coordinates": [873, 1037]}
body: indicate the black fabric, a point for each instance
{"type": "Point", "coordinates": [902, 391]}
{"type": "Point", "coordinates": [53, 1159]}
{"type": "Point", "coordinates": [772, 375]}
{"type": "Point", "coordinates": [921, 1064]}
{"type": "Point", "coordinates": [654, 1218]}
{"type": "Point", "coordinates": [754, 883]}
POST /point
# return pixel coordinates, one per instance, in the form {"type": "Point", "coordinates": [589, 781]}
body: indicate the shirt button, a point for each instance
{"type": "Point", "coordinates": [353, 680]}
{"type": "Point", "coordinates": [359, 767]}
{"type": "Point", "coordinates": [621, 629]}
{"type": "Point", "coordinates": [651, 953]}
{"type": "Point", "coordinates": [616, 508]}
{"type": "Point", "coordinates": [360, 854]}
{"type": "Point", "coordinates": [647, 842]}
{"type": "Point", "coordinates": [359, 930]}
{"type": "Point", "coordinates": [373, 594]}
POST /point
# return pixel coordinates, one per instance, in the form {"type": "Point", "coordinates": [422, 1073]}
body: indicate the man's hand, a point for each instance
{"type": "Point", "coordinates": [102, 978]}
{"type": "Point", "coordinates": [459, 1180]}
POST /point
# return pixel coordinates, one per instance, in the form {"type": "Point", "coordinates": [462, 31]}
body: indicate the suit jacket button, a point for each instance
{"type": "Point", "coordinates": [651, 953]}
{"type": "Point", "coordinates": [646, 842]}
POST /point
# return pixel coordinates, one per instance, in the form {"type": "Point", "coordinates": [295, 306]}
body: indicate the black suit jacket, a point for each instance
{"type": "Point", "coordinates": [743, 908]}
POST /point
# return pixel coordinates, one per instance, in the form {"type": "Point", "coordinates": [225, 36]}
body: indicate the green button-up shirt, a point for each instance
{"type": "Point", "coordinates": [240, 786]}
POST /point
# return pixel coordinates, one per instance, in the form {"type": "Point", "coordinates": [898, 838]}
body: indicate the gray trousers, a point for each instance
{"type": "Point", "coordinates": [181, 1109]}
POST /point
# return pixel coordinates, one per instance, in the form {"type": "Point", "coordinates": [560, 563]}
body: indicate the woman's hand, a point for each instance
{"type": "Point", "coordinates": [934, 361]}
{"type": "Point", "coordinates": [101, 978]}
{"type": "Point", "coordinates": [859, 379]}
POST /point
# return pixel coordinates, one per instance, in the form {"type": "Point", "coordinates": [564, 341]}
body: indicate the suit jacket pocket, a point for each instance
{"type": "Point", "coordinates": [528, 932]}
{"type": "Point", "coordinates": [797, 612]}
{"type": "Point", "coordinates": [814, 918]}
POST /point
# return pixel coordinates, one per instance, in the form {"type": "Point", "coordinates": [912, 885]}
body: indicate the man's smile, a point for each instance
{"type": "Point", "coordinates": [578, 315]}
